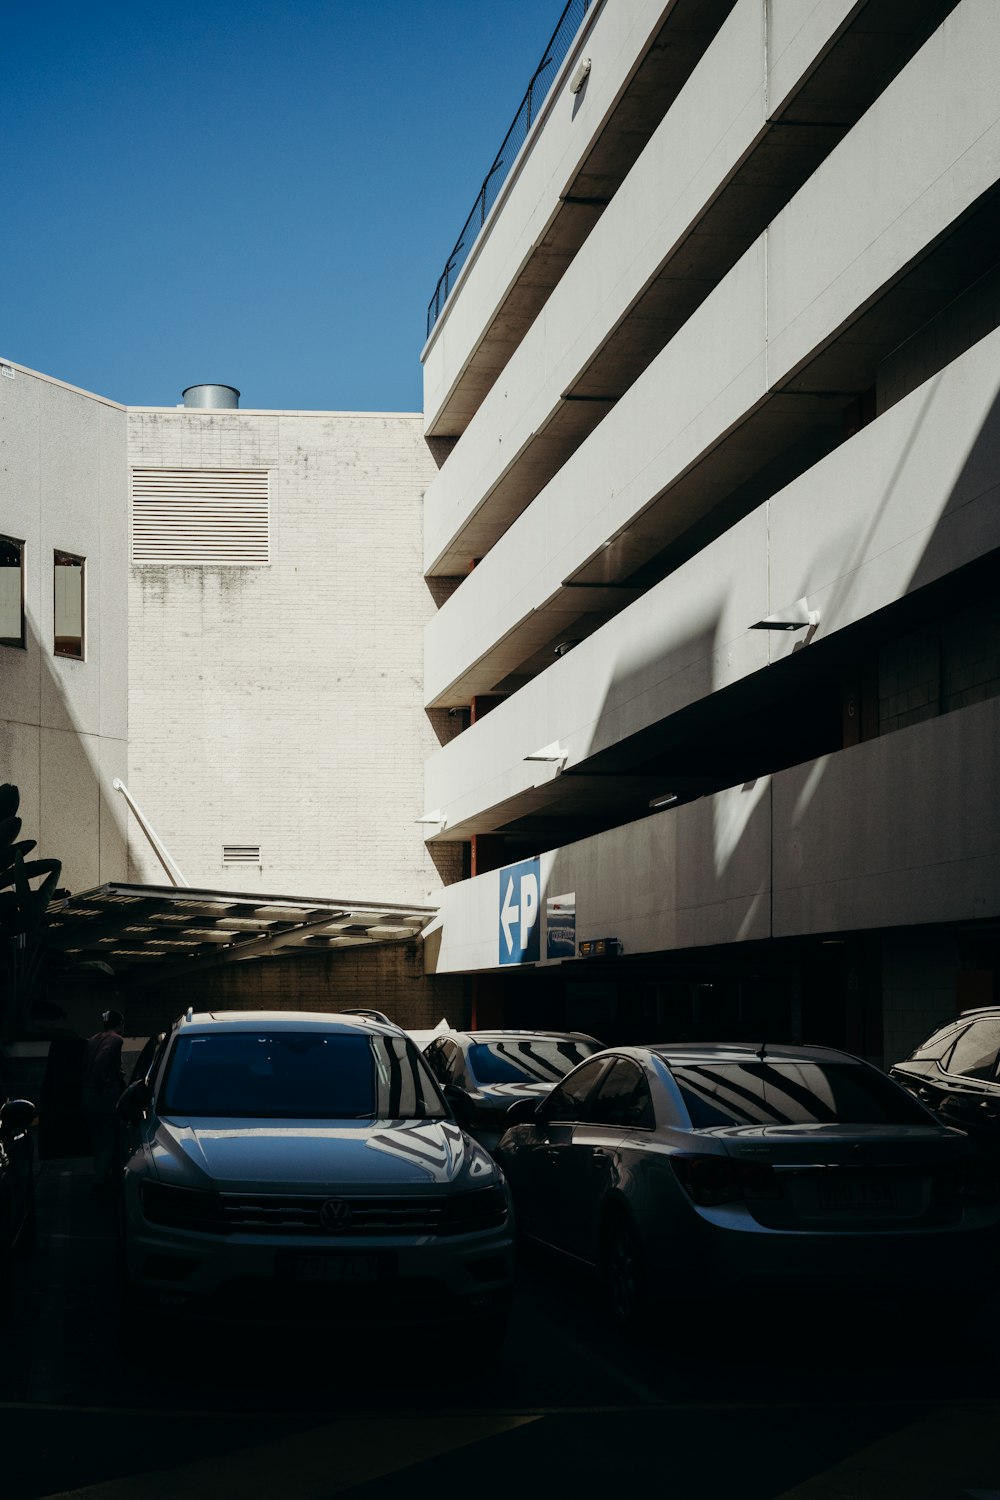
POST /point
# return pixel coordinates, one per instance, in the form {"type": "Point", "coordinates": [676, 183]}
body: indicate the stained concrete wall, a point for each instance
{"type": "Point", "coordinates": [280, 705]}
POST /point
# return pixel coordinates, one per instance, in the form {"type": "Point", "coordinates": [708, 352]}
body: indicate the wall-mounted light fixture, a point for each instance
{"type": "Point", "coordinates": [553, 753]}
{"type": "Point", "coordinates": [437, 816]}
{"type": "Point", "coordinates": [797, 616]}
{"type": "Point", "coordinates": [667, 800]}
{"type": "Point", "coordinates": [580, 76]}
{"type": "Point", "coordinates": [600, 948]}
{"type": "Point", "coordinates": [564, 647]}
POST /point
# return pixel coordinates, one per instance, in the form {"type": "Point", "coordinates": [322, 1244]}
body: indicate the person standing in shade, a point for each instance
{"type": "Point", "coordinates": [100, 1088]}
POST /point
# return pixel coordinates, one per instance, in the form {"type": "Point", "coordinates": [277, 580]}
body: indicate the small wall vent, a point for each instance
{"type": "Point", "coordinates": [241, 854]}
{"type": "Point", "coordinates": [200, 516]}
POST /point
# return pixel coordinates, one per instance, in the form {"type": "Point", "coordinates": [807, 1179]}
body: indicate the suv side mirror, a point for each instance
{"type": "Point", "coordinates": [134, 1102]}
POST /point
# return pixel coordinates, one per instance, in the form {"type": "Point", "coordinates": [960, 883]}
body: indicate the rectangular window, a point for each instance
{"type": "Point", "coordinates": [11, 592]}
{"type": "Point", "coordinates": [68, 604]}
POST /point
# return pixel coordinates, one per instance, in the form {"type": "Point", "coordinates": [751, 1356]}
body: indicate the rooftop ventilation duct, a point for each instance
{"type": "Point", "coordinates": [212, 397]}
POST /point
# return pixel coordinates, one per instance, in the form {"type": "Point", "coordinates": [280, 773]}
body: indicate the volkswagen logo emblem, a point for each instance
{"type": "Point", "coordinates": [335, 1214]}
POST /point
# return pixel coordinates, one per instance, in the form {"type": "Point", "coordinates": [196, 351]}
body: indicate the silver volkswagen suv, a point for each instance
{"type": "Point", "coordinates": [286, 1166]}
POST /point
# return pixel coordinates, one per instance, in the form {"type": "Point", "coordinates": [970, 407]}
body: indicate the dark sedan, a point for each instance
{"type": "Point", "coordinates": [484, 1072]}
{"type": "Point", "coordinates": [687, 1173]}
{"type": "Point", "coordinates": [17, 1193]}
{"type": "Point", "coordinates": [956, 1072]}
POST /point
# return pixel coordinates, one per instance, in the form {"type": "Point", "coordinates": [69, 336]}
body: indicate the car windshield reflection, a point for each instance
{"type": "Point", "coordinates": [298, 1076]}
{"type": "Point", "coordinates": [527, 1060]}
{"type": "Point", "coordinates": [787, 1093]}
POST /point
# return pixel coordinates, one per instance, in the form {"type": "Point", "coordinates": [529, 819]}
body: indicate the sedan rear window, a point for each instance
{"type": "Point", "coordinates": [975, 1054]}
{"type": "Point", "coordinates": [792, 1093]}
{"type": "Point", "coordinates": [937, 1045]}
{"type": "Point", "coordinates": [528, 1059]}
{"type": "Point", "coordinates": [305, 1075]}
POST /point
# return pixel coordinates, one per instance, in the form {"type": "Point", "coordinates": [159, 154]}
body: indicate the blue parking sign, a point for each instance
{"type": "Point", "coordinates": [520, 888]}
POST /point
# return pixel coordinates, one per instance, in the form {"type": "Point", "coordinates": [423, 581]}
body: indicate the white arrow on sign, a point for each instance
{"type": "Point", "coordinates": [509, 914]}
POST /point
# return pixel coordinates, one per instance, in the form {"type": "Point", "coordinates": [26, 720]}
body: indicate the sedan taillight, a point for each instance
{"type": "Point", "coordinates": [975, 1181]}
{"type": "Point", "coordinates": [711, 1180]}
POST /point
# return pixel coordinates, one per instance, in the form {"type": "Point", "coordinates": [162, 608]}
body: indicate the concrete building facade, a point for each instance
{"type": "Point", "coordinates": [63, 702]}
{"type": "Point", "coordinates": [249, 658]}
{"type": "Point", "coordinates": [701, 736]}
{"type": "Point", "coordinates": [220, 611]}
{"type": "Point", "coordinates": [719, 532]}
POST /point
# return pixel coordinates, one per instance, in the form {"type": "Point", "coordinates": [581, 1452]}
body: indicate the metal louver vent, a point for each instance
{"type": "Point", "coordinates": [241, 854]}
{"type": "Point", "coordinates": [201, 516]}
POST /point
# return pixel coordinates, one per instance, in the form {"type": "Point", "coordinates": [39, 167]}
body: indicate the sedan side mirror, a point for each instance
{"type": "Point", "coordinates": [461, 1106]}
{"type": "Point", "coordinates": [523, 1112]}
{"type": "Point", "coordinates": [16, 1116]}
{"type": "Point", "coordinates": [134, 1102]}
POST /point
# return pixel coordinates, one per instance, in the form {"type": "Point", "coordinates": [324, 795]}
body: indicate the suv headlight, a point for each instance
{"type": "Point", "coordinates": [181, 1208]}
{"type": "Point", "coordinates": [485, 1208]}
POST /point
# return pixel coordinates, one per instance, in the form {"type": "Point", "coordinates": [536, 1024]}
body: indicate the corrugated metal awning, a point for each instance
{"type": "Point", "coordinates": [168, 930]}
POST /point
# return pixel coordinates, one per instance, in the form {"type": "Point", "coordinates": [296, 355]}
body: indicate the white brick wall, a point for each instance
{"type": "Point", "coordinates": [281, 705]}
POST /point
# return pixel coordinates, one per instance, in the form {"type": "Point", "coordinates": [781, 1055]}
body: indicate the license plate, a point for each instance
{"type": "Point", "coordinates": [852, 1194]}
{"type": "Point", "coordinates": [306, 1265]}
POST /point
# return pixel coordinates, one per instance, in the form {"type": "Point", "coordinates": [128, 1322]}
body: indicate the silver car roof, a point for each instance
{"type": "Point", "coordinates": [500, 1034]}
{"type": "Point", "coordinates": [282, 1020]}
{"type": "Point", "coordinates": [742, 1052]}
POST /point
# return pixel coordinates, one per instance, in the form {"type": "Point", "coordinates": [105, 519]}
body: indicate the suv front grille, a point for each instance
{"type": "Point", "coordinates": [271, 1214]}
{"type": "Point", "coordinates": [368, 1215]}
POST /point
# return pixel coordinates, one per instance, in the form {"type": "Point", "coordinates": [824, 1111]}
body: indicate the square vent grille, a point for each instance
{"type": "Point", "coordinates": [200, 516]}
{"type": "Point", "coordinates": [241, 854]}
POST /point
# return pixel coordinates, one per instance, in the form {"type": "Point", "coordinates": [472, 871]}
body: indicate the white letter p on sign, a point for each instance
{"type": "Point", "coordinates": [529, 905]}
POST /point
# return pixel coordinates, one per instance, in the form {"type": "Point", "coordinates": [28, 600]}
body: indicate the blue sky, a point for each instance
{"type": "Point", "coordinates": [257, 192]}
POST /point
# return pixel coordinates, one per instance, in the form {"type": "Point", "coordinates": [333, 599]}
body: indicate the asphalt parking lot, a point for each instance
{"type": "Point", "coordinates": [779, 1401]}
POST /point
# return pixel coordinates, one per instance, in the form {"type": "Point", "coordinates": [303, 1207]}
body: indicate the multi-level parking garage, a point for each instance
{"type": "Point", "coordinates": [724, 353]}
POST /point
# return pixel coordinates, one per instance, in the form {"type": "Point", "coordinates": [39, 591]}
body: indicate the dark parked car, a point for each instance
{"type": "Point", "coordinates": [955, 1073]}
{"type": "Point", "coordinates": [17, 1193]}
{"type": "Point", "coordinates": [484, 1072]}
{"type": "Point", "coordinates": [687, 1173]}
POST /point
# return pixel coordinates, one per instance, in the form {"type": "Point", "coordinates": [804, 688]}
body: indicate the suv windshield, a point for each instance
{"type": "Point", "coordinates": [530, 1059]}
{"type": "Point", "coordinates": [291, 1075]}
{"type": "Point", "coordinates": [792, 1093]}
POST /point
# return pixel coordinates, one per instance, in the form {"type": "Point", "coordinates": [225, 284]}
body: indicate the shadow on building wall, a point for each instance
{"type": "Point", "coordinates": [809, 965]}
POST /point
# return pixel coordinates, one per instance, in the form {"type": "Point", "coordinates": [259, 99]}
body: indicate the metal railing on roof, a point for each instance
{"type": "Point", "coordinates": [538, 88]}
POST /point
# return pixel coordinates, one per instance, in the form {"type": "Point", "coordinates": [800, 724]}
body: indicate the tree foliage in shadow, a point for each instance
{"type": "Point", "coordinates": [22, 913]}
